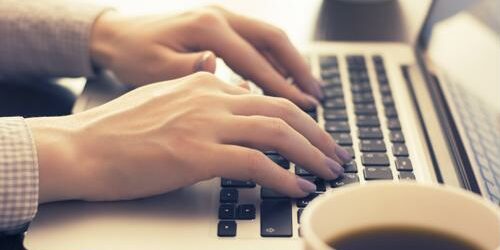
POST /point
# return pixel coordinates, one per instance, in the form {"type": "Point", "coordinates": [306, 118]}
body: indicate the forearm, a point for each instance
{"type": "Point", "coordinates": [46, 38]}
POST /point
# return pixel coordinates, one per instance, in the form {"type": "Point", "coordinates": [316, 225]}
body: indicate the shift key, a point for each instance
{"type": "Point", "coordinates": [276, 218]}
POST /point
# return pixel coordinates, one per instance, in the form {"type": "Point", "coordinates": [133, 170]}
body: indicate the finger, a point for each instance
{"type": "Point", "coordinates": [291, 114]}
{"type": "Point", "coordinates": [282, 54]}
{"type": "Point", "coordinates": [182, 64]}
{"type": "Point", "coordinates": [276, 65]}
{"type": "Point", "coordinates": [244, 84]}
{"type": "Point", "coordinates": [250, 64]}
{"type": "Point", "coordinates": [267, 133]}
{"type": "Point", "coordinates": [287, 56]}
{"type": "Point", "coordinates": [250, 164]}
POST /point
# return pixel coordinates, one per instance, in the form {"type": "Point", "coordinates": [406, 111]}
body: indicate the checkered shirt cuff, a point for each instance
{"type": "Point", "coordinates": [18, 175]}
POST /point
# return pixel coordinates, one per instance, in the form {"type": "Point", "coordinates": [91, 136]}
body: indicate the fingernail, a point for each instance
{"type": "Point", "coordinates": [199, 65]}
{"type": "Point", "coordinates": [343, 154]}
{"type": "Point", "coordinates": [319, 91]}
{"type": "Point", "coordinates": [334, 166]}
{"type": "Point", "coordinates": [305, 185]}
{"type": "Point", "coordinates": [312, 101]}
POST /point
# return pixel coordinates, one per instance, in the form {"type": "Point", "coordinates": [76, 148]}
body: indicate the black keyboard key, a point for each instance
{"type": "Point", "coordinates": [350, 167]}
{"type": "Point", "coordinates": [355, 60]}
{"type": "Point", "coordinates": [372, 146]}
{"type": "Point", "coordinates": [333, 81]}
{"type": "Point", "coordinates": [303, 202]}
{"type": "Point", "coordinates": [313, 115]}
{"type": "Point", "coordinates": [343, 139]}
{"type": "Point", "coordinates": [320, 184]}
{"type": "Point", "coordinates": [360, 86]}
{"type": "Point", "coordinates": [362, 98]}
{"type": "Point", "coordinates": [340, 126]}
{"type": "Point", "coordinates": [335, 115]}
{"type": "Point", "coordinates": [385, 89]}
{"type": "Point", "coordinates": [393, 124]}
{"type": "Point", "coordinates": [367, 121]}
{"type": "Point", "coordinates": [374, 173]}
{"type": "Point", "coordinates": [329, 72]}
{"type": "Point", "coordinates": [301, 171]}
{"type": "Point", "coordinates": [333, 92]}
{"type": "Point", "coordinates": [344, 180]}
{"type": "Point", "coordinates": [403, 164]}
{"type": "Point", "coordinates": [226, 212]}
{"type": "Point", "coordinates": [280, 160]}
{"type": "Point", "coordinates": [396, 136]}
{"type": "Point", "coordinates": [299, 214]}
{"type": "Point", "coordinates": [375, 159]}
{"type": "Point", "coordinates": [387, 100]}
{"type": "Point", "coordinates": [267, 193]}
{"type": "Point", "coordinates": [335, 103]}
{"type": "Point", "coordinates": [377, 59]}
{"type": "Point", "coordinates": [276, 218]}
{"type": "Point", "coordinates": [390, 112]}
{"type": "Point", "coordinates": [370, 133]}
{"type": "Point", "coordinates": [228, 195]}
{"type": "Point", "coordinates": [328, 61]}
{"type": "Point", "coordinates": [236, 183]}
{"type": "Point", "coordinates": [382, 78]}
{"type": "Point", "coordinates": [246, 212]}
{"type": "Point", "coordinates": [399, 149]}
{"type": "Point", "coordinates": [365, 109]}
{"type": "Point", "coordinates": [226, 228]}
{"type": "Point", "coordinates": [406, 176]}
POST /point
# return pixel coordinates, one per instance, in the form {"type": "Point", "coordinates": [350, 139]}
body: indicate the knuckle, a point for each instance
{"type": "Point", "coordinates": [255, 160]}
{"type": "Point", "coordinates": [285, 108]}
{"type": "Point", "coordinates": [278, 127]}
{"type": "Point", "coordinates": [277, 34]}
{"type": "Point", "coordinates": [216, 7]}
{"type": "Point", "coordinates": [202, 78]}
{"type": "Point", "coordinates": [207, 18]}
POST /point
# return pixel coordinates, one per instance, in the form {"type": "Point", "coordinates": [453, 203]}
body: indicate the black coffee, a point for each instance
{"type": "Point", "coordinates": [392, 238]}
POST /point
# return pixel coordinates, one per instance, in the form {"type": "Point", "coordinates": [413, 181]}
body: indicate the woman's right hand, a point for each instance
{"type": "Point", "coordinates": [167, 135]}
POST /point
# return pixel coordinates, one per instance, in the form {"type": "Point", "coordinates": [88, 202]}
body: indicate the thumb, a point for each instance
{"type": "Point", "coordinates": [205, 61]}
{"type": "Point", "coordinates": [183, 64]}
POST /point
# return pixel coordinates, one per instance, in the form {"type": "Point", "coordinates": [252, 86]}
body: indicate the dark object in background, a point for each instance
{"type": "Point", "coordinates": [12, 242]}
{"type": "Point", "coordinates": [345, 21]}
{"type": "Point", "coordinates": [33, 97]}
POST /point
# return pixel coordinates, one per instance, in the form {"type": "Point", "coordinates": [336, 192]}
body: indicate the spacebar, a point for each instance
{"type": "Point", "coordinates": [276, 218]}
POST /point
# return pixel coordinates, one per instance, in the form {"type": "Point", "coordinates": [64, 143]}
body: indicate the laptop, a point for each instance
{"type": "Point", "coordinates": [424, 111]}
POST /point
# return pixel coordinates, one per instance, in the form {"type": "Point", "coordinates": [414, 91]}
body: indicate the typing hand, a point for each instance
{"type": "Point", "coordinates": [167, 135]}
{"type": "Point", "coordinates": [142, 50]}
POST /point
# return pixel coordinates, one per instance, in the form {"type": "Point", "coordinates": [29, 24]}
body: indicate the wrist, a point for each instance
{"type": "Point", "coordinates": [103, 34]}
{"type": "Point", "coordinates": [58, 163]}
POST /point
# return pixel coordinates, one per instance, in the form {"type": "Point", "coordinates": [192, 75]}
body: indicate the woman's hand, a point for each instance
{"type": "Point", "coordinates": [155, 48]}
{"type": "Point", "coordinates": [167, 135]}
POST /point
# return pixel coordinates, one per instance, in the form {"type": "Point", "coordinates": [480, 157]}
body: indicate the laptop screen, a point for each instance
{"type": "Point", "coordinates": [461, 39]}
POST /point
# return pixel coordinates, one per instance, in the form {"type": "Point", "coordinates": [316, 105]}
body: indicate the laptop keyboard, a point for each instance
{"type": "Point", "coordinates": [482, 130]}
{"type": "Point", "coordinates": [377, 146]}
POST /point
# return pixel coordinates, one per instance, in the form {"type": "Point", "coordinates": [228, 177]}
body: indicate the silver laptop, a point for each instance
{"type": "Point", "coordinates": [426, 111]}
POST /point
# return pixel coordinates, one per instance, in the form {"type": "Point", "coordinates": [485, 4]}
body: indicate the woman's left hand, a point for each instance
{"type": "Point", "coordinates": [142, 50]}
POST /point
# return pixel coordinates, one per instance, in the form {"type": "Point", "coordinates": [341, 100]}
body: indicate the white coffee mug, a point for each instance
{"type": "Point", "coordinates": [385, 203]}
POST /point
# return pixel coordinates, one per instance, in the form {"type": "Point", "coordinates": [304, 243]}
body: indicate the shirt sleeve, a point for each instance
{"type": "Point", "coordinates": [46, 38]}
{"type": "Point", "coordinates": [18, 175]}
